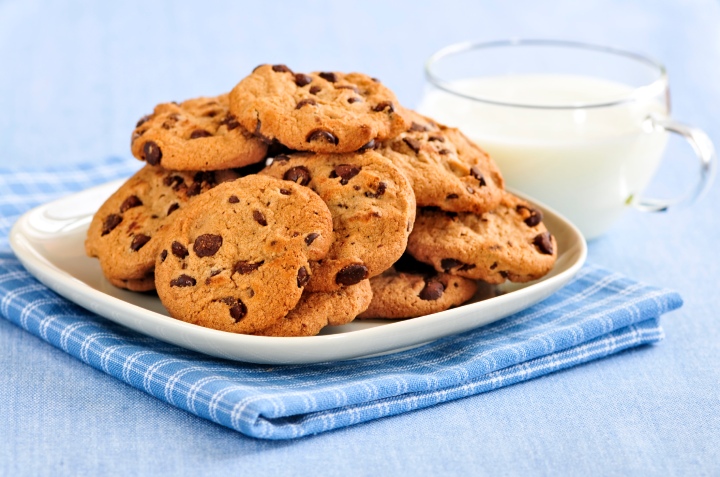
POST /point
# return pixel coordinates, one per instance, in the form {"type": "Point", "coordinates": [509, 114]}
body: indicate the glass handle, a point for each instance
{"type": "Point", "coordinates": [705, 152]}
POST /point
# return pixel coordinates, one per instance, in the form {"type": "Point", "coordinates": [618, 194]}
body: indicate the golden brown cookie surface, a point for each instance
{"type": "Point", "coordinates": [445, 168]}
{"type": "Point", "coordinates": [410, 289]}
{"type": "Point", "coordinates": [315, 311]}
{"type": "Point", "coordinates": [373, 209]}
{"type": "Point", "coordinates": [197, 134]}
{"type": "Point", "coordinates": [510, 242]}
{"type": "Point", "coordinates": [237, 259]}
{"type": "Point", "coordinates": [123, 234]}
{"type": "Point", "coordinates": [321, 112]}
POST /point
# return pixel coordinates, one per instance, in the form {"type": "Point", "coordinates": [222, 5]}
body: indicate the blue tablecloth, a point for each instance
{"type": "Point", "coordinates": [76, 77]}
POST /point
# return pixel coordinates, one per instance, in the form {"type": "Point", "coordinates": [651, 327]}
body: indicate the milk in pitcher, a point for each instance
{"type": "Point", "coordinates": [554, 141]}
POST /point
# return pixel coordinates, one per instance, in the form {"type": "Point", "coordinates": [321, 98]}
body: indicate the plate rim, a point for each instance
{"type": "Point", "coordinates": [88, 297]}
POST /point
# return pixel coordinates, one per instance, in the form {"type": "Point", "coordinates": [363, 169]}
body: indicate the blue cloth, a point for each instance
{"type": "Point", "coordinates": [598, 314]}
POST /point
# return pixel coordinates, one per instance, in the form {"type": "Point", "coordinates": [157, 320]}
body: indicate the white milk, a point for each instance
{"type": "Point", "coordinates": [587, 163]}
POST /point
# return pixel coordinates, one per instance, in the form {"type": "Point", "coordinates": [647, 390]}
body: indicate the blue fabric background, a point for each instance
{"type": "Point", "coordinates": [77, 75]}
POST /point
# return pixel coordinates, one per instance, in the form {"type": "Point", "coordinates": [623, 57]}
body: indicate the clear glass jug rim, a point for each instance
{"type": "Point", "coordinates": [655, 87]}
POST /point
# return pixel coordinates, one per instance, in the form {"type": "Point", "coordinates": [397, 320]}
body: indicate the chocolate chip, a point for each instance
{"type": "Point", "coordinates": [174, 181]}
{"type": "Point", "coordinates": [207, 245]}
{"type": "Point", "coordinates": [331, 77]}
{"type": "Point", "coordinates": [353, 100]}
{"type": "Point", "coordinates": [302, 80]}
{"type": "Point", "coordinates": [380, 191]}
{"type": "Point", "coordinates": [183, 281]}
{"type": "Point", "coordinates": [368, 145]}
{"type": "Point", "coordinates": [477, 174]}
{"type": "Point", "coordinates": [321, 134]}
{"type": "Point", "coordinates": [285, 191]}
{"type": "Point", "coordinates": [351, 274]}
{"type": "Point", "coordinates": [130, 202]}
{"type": "Point", "coordinates": [198, 133]}
{"type": "Point", "coordinates": [433, 290]}
{"type": "Point", "coordinates": [163, 255]}
{"type": "Point", "coordinates": [259, 218]}
{"type": "Point", "coordinates": [173, 208]}
{"type": "Point", "coordinates": [244, 267]}
{"type": "Point", "coordinates": [315, 89]}
{"type": "Point", "coordinates": [303, 277]}
{"type": "Point", "coordinates": [415, 127]}
{"type": "Point", "coordinates": [384, 105]}
{"type": "Point", "coordinates": [233, 199]}
{"type": "Point", "coordinates": [230, 121]}
{"type": "Point", "coordinates": [533, 219]}
{"type": "Point", "coordinates": [194, 189]}
{"type": "Point", "coordinates": [413, 144]}
{"type": "Point", "coordinates": [452, 196]}
{"type": "Point", "coordinates": [138, 241]}
{"type": "Point", "coordinates": [494, 266]}
{"type": "Point", "coordinates": [305, 101]}
{"type": "Point", "coordinates": [281, 69]}
{"type": "Point", "coordinates": [448, 264]}
{"type": "Point", "coordinates": [152, 153]}
{"type": "Point", "coordinates": [238, 311]}
{"type": "Point", "coordinates": [544, 244]}
{"type": "Point", "coordinates": [504, 274]}
{"type": "Point", "coordinates": [436, 137]}
{"type": "Point", "coordinates": [375, 80]}
{"type": "Point", "coordinates": [298, 174]}
{"type": "Point", "coordinates": [178, 250]}
{"type": "Point", "coordinates": [111, 221]}
{"type": "Point", "coordinates": [444, 151]}
{"type": "Point", "coordinates": [310, 238]}
{"type": "Point", "coordinates": [205, 176]}
{"type": "Point", "coordinates": [345, 172]}
{"type": "Point", "coordinates": [143, 120]}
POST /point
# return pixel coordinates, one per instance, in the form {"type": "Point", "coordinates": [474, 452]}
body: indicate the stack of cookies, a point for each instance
{"type": "Point", "coordinates": [299, 201]}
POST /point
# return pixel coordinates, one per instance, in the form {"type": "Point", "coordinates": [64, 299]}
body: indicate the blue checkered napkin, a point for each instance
{"type": "Point", "coordinates": [599, 313]}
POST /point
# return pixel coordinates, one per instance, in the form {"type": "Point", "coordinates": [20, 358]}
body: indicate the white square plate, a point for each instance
{"type": "Point", "coordinates": [49, 241]}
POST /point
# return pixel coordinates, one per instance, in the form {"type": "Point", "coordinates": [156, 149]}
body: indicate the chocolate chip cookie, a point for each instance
{"type": "Point", "coordinates": [446, 169]}
{"type": "Point", "coordinates": [197, 134]}
{"type": "Point", "coordinates": [372, 206]}
{"type": "Point", "coordinates": [237, 258]}
{"type": "Point", "coordinates": [509, 242]}
{"type": "Point", "coordinates": [123, 234]}
{"type": "Point", "coordinates": [410, 289]}
{"type": "Point", "coordinates": [323, 112]}
{"type": "Point", "coordinates": [315, 311]}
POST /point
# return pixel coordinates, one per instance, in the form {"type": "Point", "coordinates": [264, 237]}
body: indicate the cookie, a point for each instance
{"type": "Point", "coordinates": [237, 258]}
{"type": "Point", "coordinates": [315, 311]}
{"type": "Point", "coordinates": [509, 242]}
{"type": "Point", "coordinates": [410, 289]}
{"type": "Point", "coordinates": [320, 112]}
{"type": "Point", "coordinates": [373, 209]}
{"type": "Point", "coordinates": [445, 168]}
{"type": "Point", "coordinates": [123, 234]}
{"type": "Point", "coordinates": [197, 134]}
{"type": "Point", "coordinates": [136, 285]}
